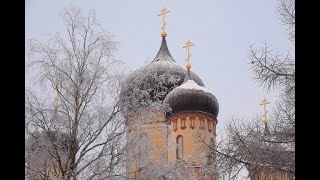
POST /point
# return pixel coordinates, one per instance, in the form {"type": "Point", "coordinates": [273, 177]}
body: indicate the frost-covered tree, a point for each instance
{"type": "Point", "coordinates": [76, 120]}
{"type": "Point", "coordinates": [75, 92]}
{"type": "Point", "coordinates": [248, 143]}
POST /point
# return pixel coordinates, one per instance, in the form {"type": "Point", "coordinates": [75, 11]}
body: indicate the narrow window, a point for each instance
{"type": "Point", "coordinates": [209, 125]}
{"type": "Point", "coordinates": [183, 123]}
{"type": "Point", "coordinates": [192, 123]}
{"type": "Point", "coordinates": [180, 147]}
{"type": "Point", "coordinates": [174, 124]}
{"type": "Point", "coordinates": [143, 156]}
{"type": "Point", "coordinates": [202, 124]}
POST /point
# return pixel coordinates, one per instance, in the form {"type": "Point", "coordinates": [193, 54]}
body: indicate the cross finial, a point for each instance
{"type": "Point", "coordinates": [188, 45]}
{"type": "Point", "coordinates": [264, 103]}
{"type": "Point", "coordinates": [162, 13]}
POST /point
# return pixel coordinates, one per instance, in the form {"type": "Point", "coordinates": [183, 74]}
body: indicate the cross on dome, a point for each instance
{"type": "Point", "coordinates": [162, 13]}
{"type": "Point", "coordinates": [188, 45]}
{"type": "Point", "coordinates": [264, 103]}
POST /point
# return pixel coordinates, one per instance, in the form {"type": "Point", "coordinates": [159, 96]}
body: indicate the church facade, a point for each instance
{"type": "Point", "coordinates": [178, 134]}
{"type": "Point", "coordinates": [171, 120]}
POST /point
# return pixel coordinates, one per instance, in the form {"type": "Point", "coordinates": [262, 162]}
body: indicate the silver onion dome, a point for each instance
{"type": "Point", "coordinates": [190, 96]}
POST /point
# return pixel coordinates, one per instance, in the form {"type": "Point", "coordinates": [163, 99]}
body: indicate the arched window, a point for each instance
{"type": "Point", "coordinates": [209, 125]}
{"type": "Point", "coordinates": [202, 124]}
{"type": "Point", "coordinates": [180, 147]}
{"type": "Point", "coordinates": [143, 151]}
{"type": "Point", "coordinates": [192, 123]}
{"type": "Point", "coordinates": [174, 125]}
{"type": "Point", "coordinates": [183, 123]}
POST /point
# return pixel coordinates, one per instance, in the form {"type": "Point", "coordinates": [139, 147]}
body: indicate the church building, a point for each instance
{"type": "Point", "coordinates": [182, 133]}
{"type": "Point", "coordinates": [171, 119]}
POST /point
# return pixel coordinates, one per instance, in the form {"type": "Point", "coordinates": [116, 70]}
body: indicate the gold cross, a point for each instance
{"type": "Point", "coordinates": [264, 103]}
{"type": "Point", "coordinates": [188, 45]}
{"type": "Point", "coordinates": [162, 13]}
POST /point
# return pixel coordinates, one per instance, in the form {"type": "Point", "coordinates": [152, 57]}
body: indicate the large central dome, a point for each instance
{"type": "Point", "coordinates": [164, 62]}
{"type": "Point", "coordinates": [153, 77]}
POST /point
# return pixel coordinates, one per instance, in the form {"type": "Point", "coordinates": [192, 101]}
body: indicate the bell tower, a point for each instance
{"type": "Point", "coordinates": [193, 117]}
{"type": "Point", "coordinates": [261, 169]}
{"type": "Point", "coordinates": [147, 130]}
{"type": "Point", "coordinates": [150, 135]}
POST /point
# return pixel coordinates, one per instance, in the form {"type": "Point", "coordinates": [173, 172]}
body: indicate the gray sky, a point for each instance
{"type": "Point", "coordinates": [221, 31]}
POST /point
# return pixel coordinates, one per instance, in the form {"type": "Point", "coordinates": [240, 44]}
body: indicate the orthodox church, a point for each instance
{"type": "Point", "coordinates": [171, 120]}
{"type": "Point", "coordinates": [182, 134]}
{"type": "Point", "coordinates": [176, 109]}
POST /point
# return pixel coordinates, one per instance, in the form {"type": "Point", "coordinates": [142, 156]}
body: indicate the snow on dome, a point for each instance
{"type": "Point", "coordinates": [190, 84]}
{"type": "Point", "coordinates": [167, 63]}
{"type": "Point", "coordinates": [152, 82]}
{"type": "Point", "coordinates": [190, 96]}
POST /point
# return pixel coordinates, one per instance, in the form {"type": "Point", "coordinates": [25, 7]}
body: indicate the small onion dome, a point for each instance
{"type": "Point", "coordinates": [42, 141]}
{"type": "Point", "coordinates": [189, 96]}
{"type": "Point", "coordinates": [266, 130]}
{"type": "Point", "coordinates": [161, 64]}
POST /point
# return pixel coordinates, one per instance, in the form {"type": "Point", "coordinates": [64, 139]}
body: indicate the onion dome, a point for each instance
{"type": "Point", "coordinates": [154, 77]}
{"type": "Point", "coordinates": [266, 130]}
{"type": "Point", "coordinates": [41, 142]}
{"type": "Point", "coordinates": [190, 96]}
{"type": "Point", "coordinates": [164, 62]}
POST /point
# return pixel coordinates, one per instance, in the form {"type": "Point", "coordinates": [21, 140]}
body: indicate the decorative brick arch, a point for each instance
{"type": "Point", "coordinates": [181, 146]}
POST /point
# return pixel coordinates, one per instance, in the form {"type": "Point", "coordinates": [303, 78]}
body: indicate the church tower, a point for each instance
{"type": "Point", "coordinates": [193, 117]}
{"type": "Point", "coordinates": [47, 151]}
{"type": "Point", "coordinates": [47, 154]}
{"type": "Point", "coordinates": [264, 168]}
{"type": "Point", "coordinates": [152, 131]}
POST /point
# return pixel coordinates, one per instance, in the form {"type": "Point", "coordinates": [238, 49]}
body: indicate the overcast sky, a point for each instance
{"type": "Point", "coordinates": [221, 30]}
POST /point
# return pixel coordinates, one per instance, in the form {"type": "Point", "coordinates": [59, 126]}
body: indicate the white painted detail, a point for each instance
{"type": "Point", "coordinates": [190, 84]}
